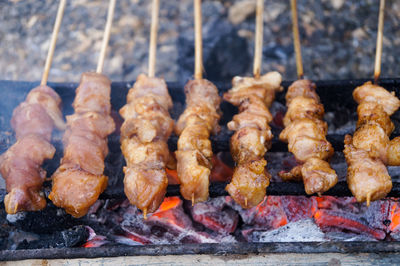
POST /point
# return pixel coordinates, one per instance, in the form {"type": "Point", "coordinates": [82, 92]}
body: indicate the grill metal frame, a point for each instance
{"type": "Point", "coordinates": [211, 249]}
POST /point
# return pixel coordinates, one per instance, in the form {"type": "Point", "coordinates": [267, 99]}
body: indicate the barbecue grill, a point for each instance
{"type": "Point", "coordinates": [336, 97]}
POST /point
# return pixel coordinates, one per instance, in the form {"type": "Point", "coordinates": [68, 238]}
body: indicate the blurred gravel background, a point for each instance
{"type": "Point", "coordinates": [338, 38]}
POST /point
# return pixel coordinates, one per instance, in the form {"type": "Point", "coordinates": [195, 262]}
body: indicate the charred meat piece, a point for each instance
{"type": "Point", "coordinates": [305, 132]}
{"type": "Point", "coordinates": [194, 127]}
{"type": "Point", "coordinates": [252, 136]}
{"type": "Point", "coordinates": [79, 180]}
{"type": "Point", "coordinates": [144, 136]}
{"type": "Point", "coordinates": [33, 121]}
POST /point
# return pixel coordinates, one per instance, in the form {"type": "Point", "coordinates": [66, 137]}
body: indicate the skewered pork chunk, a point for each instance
{"type": "Point", "coordinates": [194, 126]}
{"type": "Point", "coordinates": [252, 136]}
{"type": "Point", "coordinates": [79, 180]}
{"type": "Point", "coordinates": [144, 136]}
{"type": "Point", "coordinates": [33, 121]}
{"type": "Point", "coordinates": [305, 132]}
{"type": "Point", "coordinates": [367, 177]}
{"type": "Point", "coordinates": [370, 149]}
{"type": "Point", "coordinates": [393, 152]}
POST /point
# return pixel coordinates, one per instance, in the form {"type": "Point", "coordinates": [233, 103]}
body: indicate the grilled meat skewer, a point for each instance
{"type": "Point", "coordinates": [194, 127]}
{"type": "Point", "coordinates": [370, 149]}
{"type": "Point", "coordinates": [305, 132]}
{"type": "Point", "coordinates": [33, 121]}
{"type": "Point", "coordinates": [252, 136]}
{"type": "Point", "coordinates": [144, 136]}
{"type": "Point", "coordinates": [79, 180]}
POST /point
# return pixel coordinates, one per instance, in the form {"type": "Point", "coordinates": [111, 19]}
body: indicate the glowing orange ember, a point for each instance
{"type": "Point", "coordinates": [89, 245]}
{"type": "Point", "coordinates": [324, 219]}
{"type": "Point", "coordinates": [395, 217]}
{"type": "Point", "coordinates": [97, 241]}
{"type": "Point", "coordinates": [271, 209]}
{"type": "Point", "coordinates": [168, 203]}
{"type": "Point", "coordinates": [138, 239]}
{"type": "Point", "coordinates": [165, 212]}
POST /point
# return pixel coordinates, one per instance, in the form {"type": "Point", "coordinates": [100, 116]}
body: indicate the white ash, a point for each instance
{"type": "Point", "coordinates": [13, 218]}
{"type": "Point", "coordinates": [348, 237]}
{"type": "Point", "coordinates": [300, 231]}
{"type": "Point", "coordinates": [126, 241]}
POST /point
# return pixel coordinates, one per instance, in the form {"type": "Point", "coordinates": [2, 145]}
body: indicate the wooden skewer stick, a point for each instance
{"type": "Point", "coordinates": [368, 199]}
{"type": "Point", "coordinates": [198, 63]}
{"type": "Point", "coordinates": [378, 54]}
{"type": "Point", "coordinates": [53, 42]}
{"type": "Point", "coordinates": [145, 214]}
{"type": "Point", "coordinates": [258, 39]}
{"type": "Point", "coordinates": [153, 38]}
{"type": "Point", "coordinates": [296, 39]}
{"type": "Point", "coordinates": [106, 36]}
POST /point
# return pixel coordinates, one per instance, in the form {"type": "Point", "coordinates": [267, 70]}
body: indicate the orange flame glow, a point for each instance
{"type": "Point", "coordinates": [169, 203]}
{"type": "Point", "coordinates": [395, 217]}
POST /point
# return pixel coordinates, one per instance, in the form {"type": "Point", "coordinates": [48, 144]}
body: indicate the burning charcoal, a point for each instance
{"type": "Point", "coordinates": [377, 215]}
{"type": "Point", "coordinates": [135, 227]}
{"type": "Point", "coordinates": [168, 225]}
{"type": "Point", "coordinates": [328, 219]}
{"type": "Point", "coordinates": [298, 207]}
{"type": "Point", "coordinates": [300, 231]}
{"type": "Point", "coordinates": [179, 227]}
{"type": "Point", "coordinates": [215, 215]}
{"type": "Point", "coordinates": [94, 240]}
{"type": "Point", "coordinates": [269, 214]}
{"type": "Point", "coordinates": [334, 203]}
{"type": "Point", "coordinates": [73, 237]}
{"type": "Point", "coordinates": [394, 218]}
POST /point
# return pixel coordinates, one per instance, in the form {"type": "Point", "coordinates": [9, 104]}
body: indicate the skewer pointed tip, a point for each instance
{"type": "Point", "coordinates": [368, 199]}
{"type": "Point", "coordinates": [145, 213]}
{"type": "Point", "coordinates": [376, 78]}
{"type": "Point", "coordinates": [245, 202]}
{"type": "Point", "coordinates": [192, 199]}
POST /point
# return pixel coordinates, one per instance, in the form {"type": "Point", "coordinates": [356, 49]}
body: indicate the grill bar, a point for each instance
{"type": "Point", "coordinates": [335, 95]}
{"type": "Point", "coordinates": [212, 249]}
{"type": "Point", "coordinates": [277, 189]}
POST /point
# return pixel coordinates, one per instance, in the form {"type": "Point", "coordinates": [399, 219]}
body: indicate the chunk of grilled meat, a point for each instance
{"type": "Point", "coordinates": [372, 93]}
{"type": "Point", "coordinates": [79, 180]}
{"type": "Point", "coordinates": [252, 136]}
{"type": "Point", "coordinates": [367, 177]}
{"type": "Point", "coordinates": [33, 121]}
{"type": "Point", "coordinates": [144, 136]}
{"type": "Point", "coordinates": [194, 126]}
{"type": "Point", "coordinates": [305, 132]}
{"type": "Point", "coordinates": [370, 149]}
